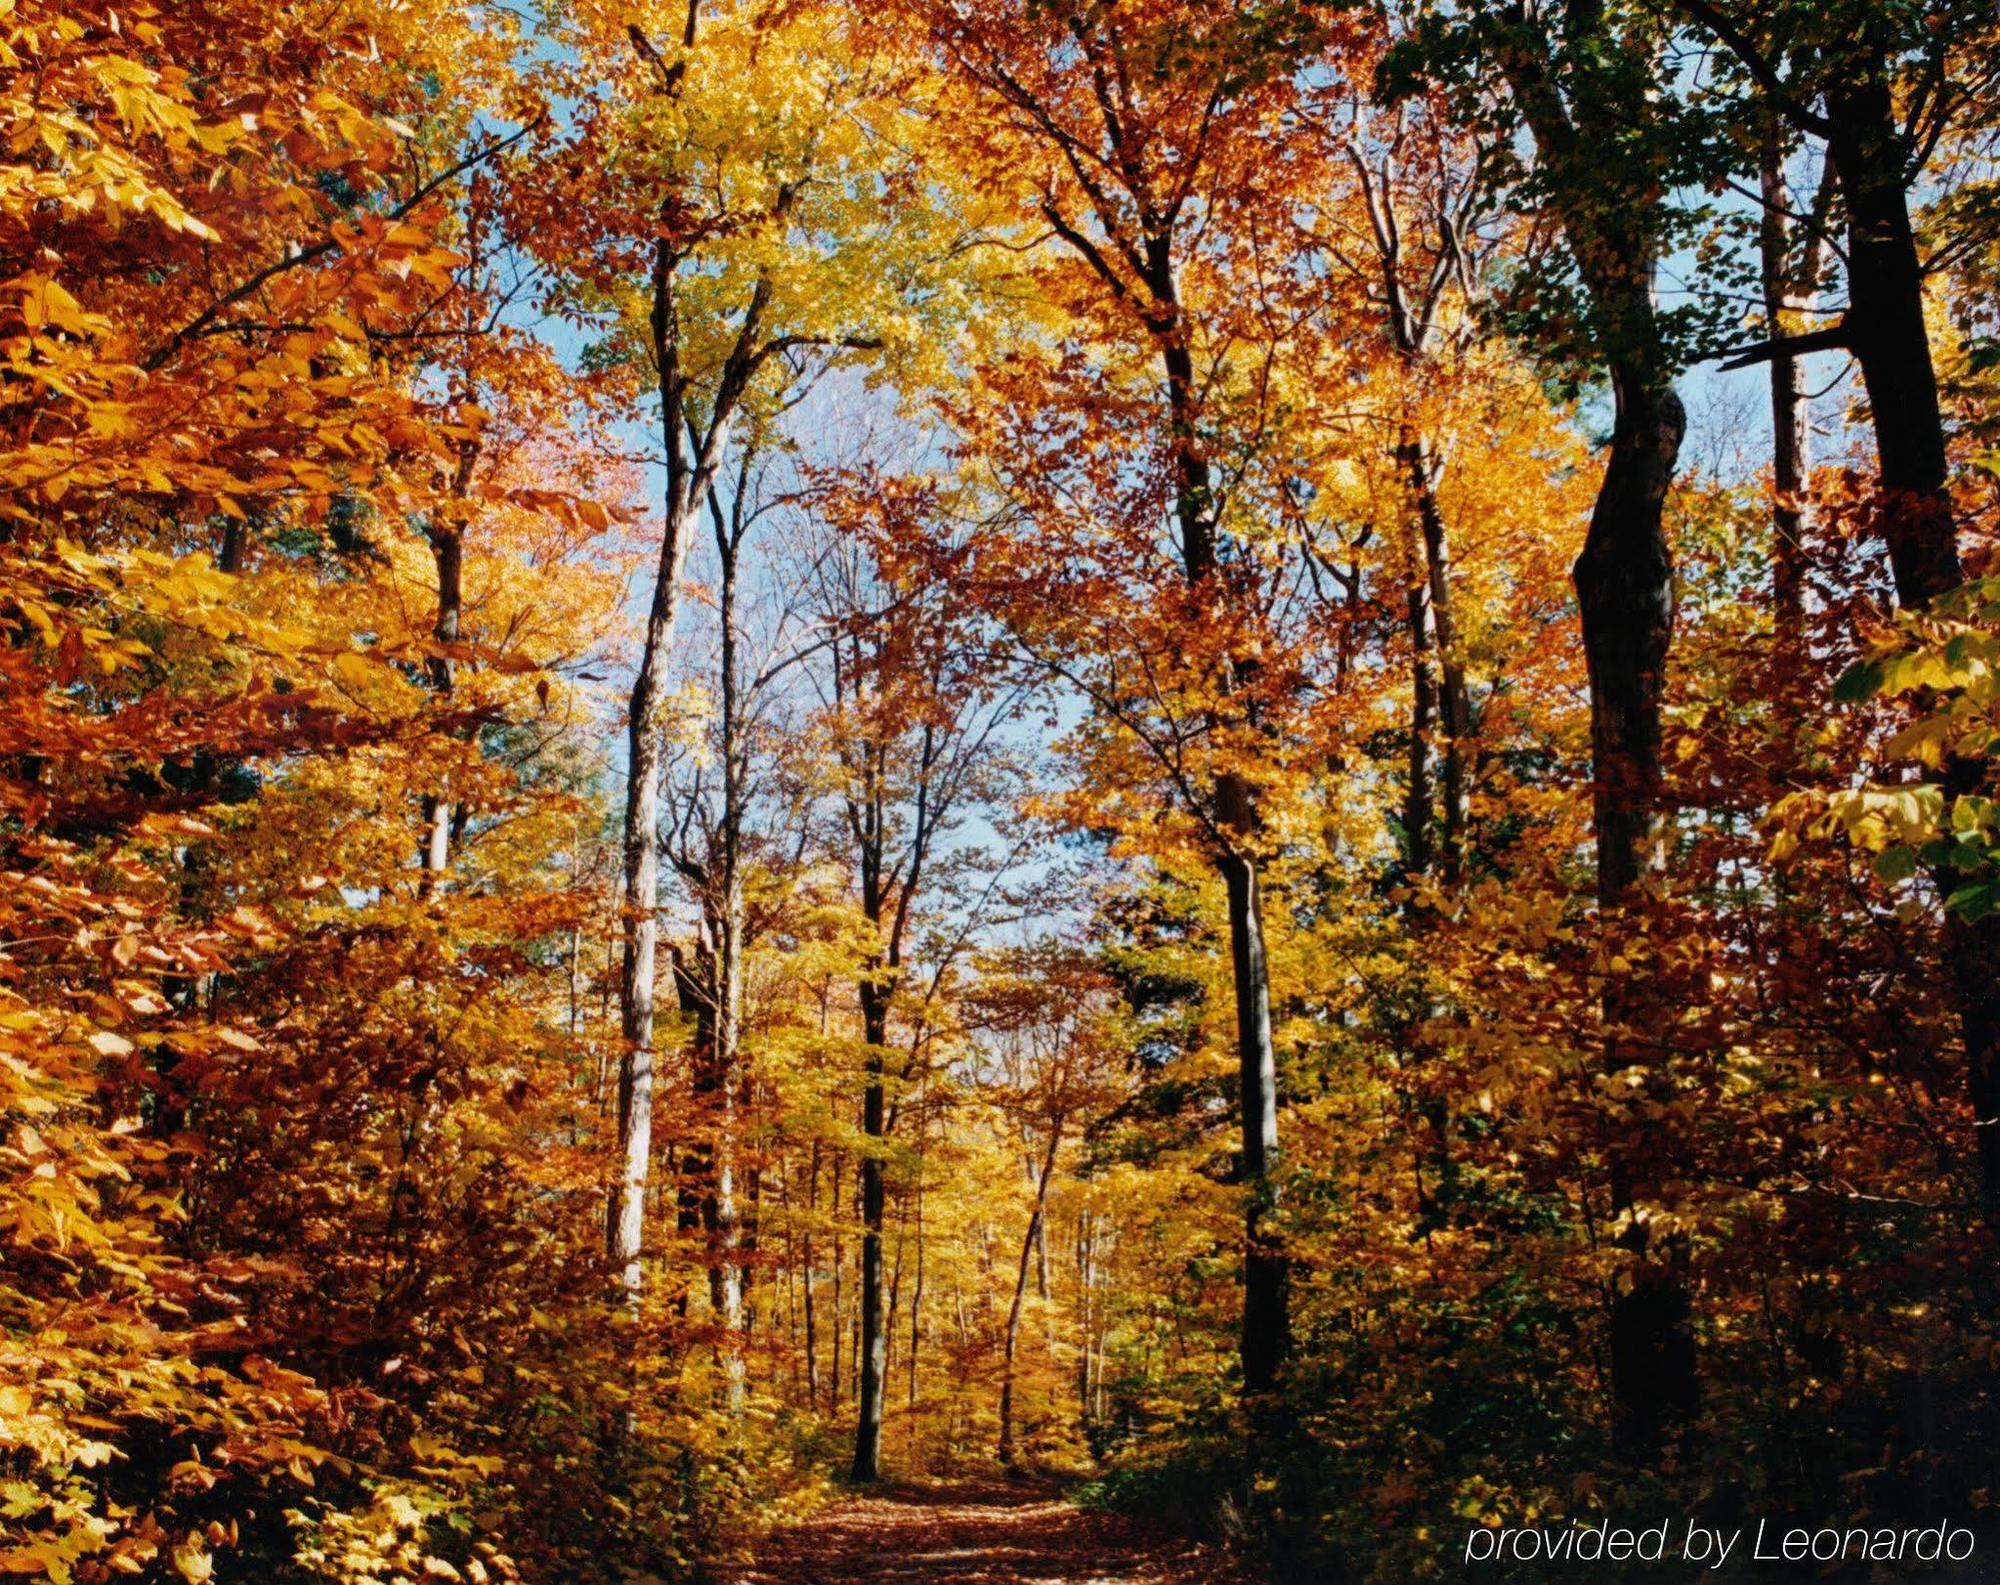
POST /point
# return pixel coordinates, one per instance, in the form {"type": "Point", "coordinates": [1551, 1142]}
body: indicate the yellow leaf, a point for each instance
{"type": "Point", "coordinates": [353, 670]}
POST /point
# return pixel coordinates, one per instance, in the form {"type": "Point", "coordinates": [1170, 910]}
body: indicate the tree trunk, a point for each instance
{"type": "Point", "coordinates": [1624, 582]}
{"type": "Point", "coordinates": [1266, 1338]}
{"type": "Point", "coordinates": [872, 1352]}
{"type": "Point", "coordinates": [785, 1210]}
{"type": "Point", "coordinates": [1889, 337]}
{"type": "Point", "coordinates": [1030, 1241]}
{"type": "Point", "coordinates": [753, 1213]}
{"type": "Point", "coordinates": [730, 1081]}
{"type": "Point", "coordinates": [1625, 589]}
{"type": "Point", "coordinates": [626, 1220]}
{"type": "Point", "coordinates": [834, 1380]}
{"type": "Point", "coordinates": [1973, 952]}
{"type": "Point", "coordinates": [1891, 341]}
{"type": "Point", "coordinates": [1418, 803]}
{"type": "Point", "coordinates": [917, 1297]}
{"type": "Point", "coordinates": [1791, 427]}
{"type": "Point", "coordinates": [1084, 1319]}
{"type": "Point", "coordinates": [692, 1167]}
{"type": "Point", "coordinates": [725, 1270]}
{"type": "Point", "coordinates": [448, 556]}
{"type": "Point", "coordinates": [690, 473]}
{"type": "Point", "coordinates": [1454, 702]}
{"type": "Point", "coordinates": [811, 1282]}
{"type": "Point", "coordinates": [893, 1308]}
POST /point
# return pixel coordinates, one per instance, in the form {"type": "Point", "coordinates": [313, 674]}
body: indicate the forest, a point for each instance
{"type": "Point", "coordinates": [999, 789]}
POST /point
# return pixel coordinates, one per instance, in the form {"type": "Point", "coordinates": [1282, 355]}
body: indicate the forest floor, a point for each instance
{"type": "Point", "coordinates": [989, 1533]}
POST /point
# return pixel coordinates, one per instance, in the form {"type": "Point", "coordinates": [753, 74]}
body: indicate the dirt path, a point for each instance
{"type": "Point", "coordinates": [988, 1533]}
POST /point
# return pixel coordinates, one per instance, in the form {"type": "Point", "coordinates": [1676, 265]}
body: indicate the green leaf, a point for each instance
{"type": "Point", "coordinates": [1859, 683]}
{"type": "Point", "coordinates": [1895, 864]}
{"type": "Point", "coordinates": [1976, 901]}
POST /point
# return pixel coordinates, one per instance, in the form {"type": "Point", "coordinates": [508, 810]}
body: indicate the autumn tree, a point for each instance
{"type": "Point", "coordinates": [1132, 129]}
{"type": "Point", "coordinates": [916, 715]}
{"type": "Point", "coordinates": [716, 264]}
{"type": "Point", "coordinates": [1047, 1020]}
{"type": "Point", "coordinates": [1587, 85]}
{"type": "Point", "coordinates": [1882, 89]}
{"type": "Point", "coordinates": [1098, 581]}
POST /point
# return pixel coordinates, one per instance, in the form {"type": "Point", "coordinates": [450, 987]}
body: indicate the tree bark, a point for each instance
{"type": "Point", "coordinates": [691, 462]}
{"type": "Point", "coordinates": [872, 1353]}
{"type": "Point", "coordinates": [1791, 413]}
{"type": "Point", "coordinates": [1266, 1334]}
{"type": "Point", "coordinates": [725, 1230]}
{"type": "Point", "coordinates": [1085, 1320]}
{"type": "Point", "coordinates": [447, 542]}
{"type": "Point", "coordinates": [1454, 700]}
{"type": "Point", "coordinates": [917, 1297]}
{"type": "Point", "coordinates": [834, 1380]}
{"type": "Point", "coordinates": [625, 1223]}
{"type": "Point", "coordinates": [1419, 805]}
{"type": "Point", "coordinates": [1889, 337]}
{"type": "Point", "coordinates": [1625, 592]}
{"type": "Point", "coordinates": [1149, 246]}
{"type": "Point", "coordinates": [729, 907]}
{"type": "Point", "coordinates": [693, 1167]}
{"type": "Point", "coordinates": [1891, 341]}
{"type": "Point", "coordinates": [448, 555]}
{"type": "Point", "coordinates": [1011, 1337]}
{"type": "Point", "coordinates": [811, 1282]}
{"type": "Point", "coordinates": [1267, 1338]}
{"type": "Point", "coordinates": [1624, 583]}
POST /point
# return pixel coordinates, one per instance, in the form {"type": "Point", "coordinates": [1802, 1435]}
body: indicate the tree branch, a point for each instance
{"type": "Point", "coordinates": [1758, 65]}
{"type": "Point", "coordinates": [1831, 338]}
{"type": "Point", "coordinates": [327, 244]}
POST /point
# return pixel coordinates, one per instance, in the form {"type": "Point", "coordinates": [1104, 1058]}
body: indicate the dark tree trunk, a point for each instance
{"type": "Point", "coordinates": [1149, 246]}
{"type": "Point", "coordinates": [1419, 805]}
{"type": "Point", "coordinates": [1877, 162]}
{"type": "Point", "coordinates": [1440, 699]}
{"type": "Point", "coordinates": [447, 541]}
{"type": "Point", "coordinates": [1454, 698]}
{"type": "Point", "coordinates": [811, 1276]}
{"type": "Point", "coordinates": [1625, 590]}
{"type": "Point", "coordinates": [1086, 1324]}
{"type": "Point", "coordinates": [1974, 953]}
{"type": "Point", "coordinates": [1891, 341]}
{"type": "Point", "coordinates": [834, 1379]}
{"type": "Point", "coordinates": [1624, 582]}
{"type": "Point", "coordinates": [1266, 1339]}
{"type": "Point", "coordinates": [872, 1350]}
{"type": "Point", "coordinates": [1889, 338]}
{"type": "Point", "coordinates": [694, 1179]}
{"type": "Point", "coordinates": [1267, 1332]}
{"type": "Point", "coordinates": [235, 546]}
{"type": "Point", "coordinates": [917, 1298]}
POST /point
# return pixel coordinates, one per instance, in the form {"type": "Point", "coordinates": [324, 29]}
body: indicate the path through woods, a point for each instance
{"type": "Point", "coordinates": [967, 1533]}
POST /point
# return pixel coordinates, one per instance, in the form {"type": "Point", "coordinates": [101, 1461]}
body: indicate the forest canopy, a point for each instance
{"type": "Point", "coordinates": [1224, 773]}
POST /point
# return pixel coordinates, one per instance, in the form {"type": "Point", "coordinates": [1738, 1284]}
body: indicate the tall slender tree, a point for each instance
{"type": "Point", "coordinates": [1136, 125]}
{"type": "Point", "coordinates": [1588, 82]}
